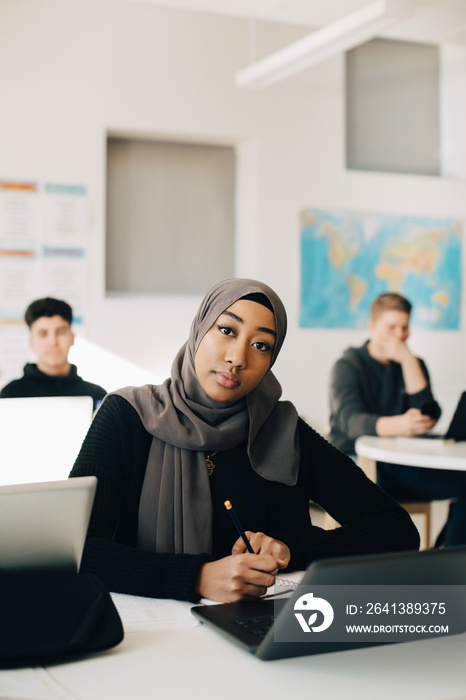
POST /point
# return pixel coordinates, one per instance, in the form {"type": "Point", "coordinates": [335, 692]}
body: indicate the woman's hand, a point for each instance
{"type": "Point", "coordinates": [237, 577]}
{"type": "Point", "coordinates": [262, 544]}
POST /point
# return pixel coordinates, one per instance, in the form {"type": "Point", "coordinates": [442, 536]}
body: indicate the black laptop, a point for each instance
{"type": "Point", "coordinates": [254, 625]}
{"type": "Point", "coordinates": [457, 428]}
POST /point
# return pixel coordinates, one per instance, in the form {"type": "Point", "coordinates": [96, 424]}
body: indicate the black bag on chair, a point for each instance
{"type": "Point", "coordinates": [50, 616]}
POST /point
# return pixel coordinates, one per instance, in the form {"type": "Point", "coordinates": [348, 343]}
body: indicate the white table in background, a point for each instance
{"type": "Point", "coordinates": [412, 452]}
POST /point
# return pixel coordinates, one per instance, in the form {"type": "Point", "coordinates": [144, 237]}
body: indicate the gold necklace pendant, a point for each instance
{"type": "Point", "coordinates": [209, 464]}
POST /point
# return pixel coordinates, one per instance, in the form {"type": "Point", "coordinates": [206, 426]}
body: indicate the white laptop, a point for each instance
{"type": "Point", "coordinates": [40, 437]}
{"type": "Point", "coordinates": [44, 525]}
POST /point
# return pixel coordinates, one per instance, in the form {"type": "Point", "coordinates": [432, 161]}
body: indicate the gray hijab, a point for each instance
{"type": "Point", "coordinates": [175, 511]}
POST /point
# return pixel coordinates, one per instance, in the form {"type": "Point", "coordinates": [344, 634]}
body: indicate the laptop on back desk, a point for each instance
{"type": "Point", "coordinates": [41, 436]}
{"type": "Point", "coordinates": [457, 428]}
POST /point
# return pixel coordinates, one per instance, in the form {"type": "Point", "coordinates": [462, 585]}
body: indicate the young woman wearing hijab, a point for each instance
{"type": "Point", "coordinates": [167, 457]}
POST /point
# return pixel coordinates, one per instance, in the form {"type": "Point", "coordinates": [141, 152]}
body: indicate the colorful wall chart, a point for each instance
{"type": "Point", "coordinates": [44, 230]}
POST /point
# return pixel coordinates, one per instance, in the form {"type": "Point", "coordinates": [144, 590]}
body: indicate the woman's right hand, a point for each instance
{"type": "Point", "coordinates": [237, 577]}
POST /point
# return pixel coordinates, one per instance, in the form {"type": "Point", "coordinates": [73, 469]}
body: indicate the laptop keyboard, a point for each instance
{"type": "Point", "coordinates": [258, 626]}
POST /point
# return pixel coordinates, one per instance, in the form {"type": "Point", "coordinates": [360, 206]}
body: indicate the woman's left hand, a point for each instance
{"type": "Point", "coordinates": [263, 544]}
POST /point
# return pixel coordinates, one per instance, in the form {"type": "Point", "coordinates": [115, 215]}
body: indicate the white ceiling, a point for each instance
{"type": "Point", "coordinates": [430, 21]}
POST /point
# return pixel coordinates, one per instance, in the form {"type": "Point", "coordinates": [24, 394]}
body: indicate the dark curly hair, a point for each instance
{"type": "Point", "coordinates": [48, 307]}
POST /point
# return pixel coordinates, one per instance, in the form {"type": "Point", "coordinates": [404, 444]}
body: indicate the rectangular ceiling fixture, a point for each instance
{"type": "Point", "coordinates": [336, 37]}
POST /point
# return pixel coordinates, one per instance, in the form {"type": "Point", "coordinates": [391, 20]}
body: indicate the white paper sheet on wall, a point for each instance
{"type": "Point", "coordinates": [44, 230]}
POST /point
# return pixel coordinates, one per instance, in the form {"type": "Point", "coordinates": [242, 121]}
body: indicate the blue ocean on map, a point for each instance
{"type": "Point", "coordinates": [349, 258]}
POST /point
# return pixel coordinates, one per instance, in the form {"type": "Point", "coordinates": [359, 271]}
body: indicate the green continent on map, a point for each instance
{"type": "Point", "coordinates": [357, 288]}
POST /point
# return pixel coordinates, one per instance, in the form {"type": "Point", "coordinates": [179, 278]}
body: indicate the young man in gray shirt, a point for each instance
{"type": "Point", "coordinates": [381, 388]}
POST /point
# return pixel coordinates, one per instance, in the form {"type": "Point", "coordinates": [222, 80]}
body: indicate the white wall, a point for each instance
{"type": "Point", "coordinates": [72, 70]}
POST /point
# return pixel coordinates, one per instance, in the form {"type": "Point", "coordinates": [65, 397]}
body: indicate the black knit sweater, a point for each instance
{"type": "Point", "coordinates": [116, 450]}
{"type": "Point", "coordinates": [37, 383]}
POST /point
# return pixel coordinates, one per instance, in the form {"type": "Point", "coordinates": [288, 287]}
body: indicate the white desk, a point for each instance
{"type": "Point", "coordinates": [197, 663]}
{"type": "Point", "coordinates": [413, 452]}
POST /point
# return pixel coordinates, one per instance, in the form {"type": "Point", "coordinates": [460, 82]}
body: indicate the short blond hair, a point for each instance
{"type": "Point", "coordinates": [389, 302]}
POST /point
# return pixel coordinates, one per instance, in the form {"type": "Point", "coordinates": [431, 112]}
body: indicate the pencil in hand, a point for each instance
{"type": "Point", "coordinates": [238, 526]}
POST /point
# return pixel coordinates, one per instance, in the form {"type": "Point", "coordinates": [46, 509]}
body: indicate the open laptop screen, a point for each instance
{"type": "Point", "coordinates": [45, 524]}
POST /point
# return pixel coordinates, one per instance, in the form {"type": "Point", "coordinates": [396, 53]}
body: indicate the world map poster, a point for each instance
{"type": "Point", "coordinates": [349, 258]}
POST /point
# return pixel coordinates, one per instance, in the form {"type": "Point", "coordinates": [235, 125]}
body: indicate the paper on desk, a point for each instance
{"type": "Point", "coordinates": [283, 585]}
{"type": "Point", "coordinates": [138, 613]}
{"type": "Point", "coordinates": [31, 684]}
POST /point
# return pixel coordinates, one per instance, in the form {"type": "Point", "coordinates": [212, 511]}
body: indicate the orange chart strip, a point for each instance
{"type": "Point", "coordinates": [19, 186]}
{"type": "Point", "coordinates": [17, 253]}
